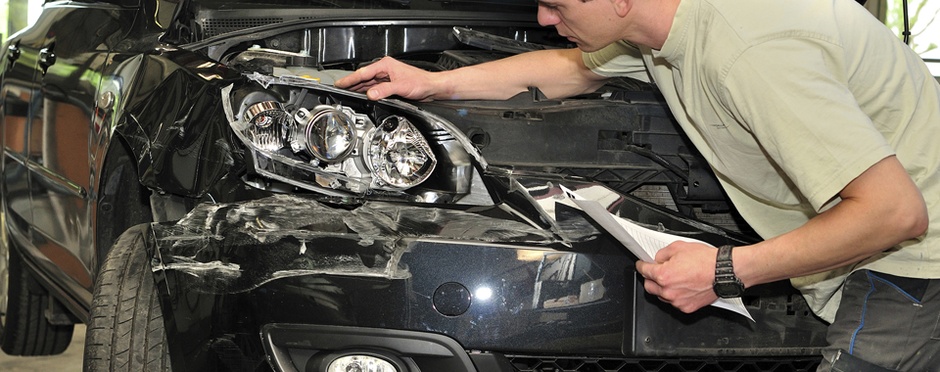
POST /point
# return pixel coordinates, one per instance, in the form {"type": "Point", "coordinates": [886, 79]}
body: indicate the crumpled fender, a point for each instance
{"type": "Point", "coordinates": [173, 120]}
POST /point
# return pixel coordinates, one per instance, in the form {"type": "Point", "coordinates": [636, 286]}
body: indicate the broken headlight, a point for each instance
{"type": "Point", "coordinates": [338, 143]}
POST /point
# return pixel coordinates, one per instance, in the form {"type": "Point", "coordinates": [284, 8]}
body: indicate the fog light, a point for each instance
{"type": "Point", "coordinates": [360, 363]}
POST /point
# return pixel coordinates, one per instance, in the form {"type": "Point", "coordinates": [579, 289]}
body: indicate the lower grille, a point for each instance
{"type": "Point", "coordinates": [572, 364]}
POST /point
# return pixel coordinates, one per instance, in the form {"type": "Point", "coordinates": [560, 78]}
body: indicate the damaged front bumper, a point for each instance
{"type": "Point", "coordinates": [437, 288]}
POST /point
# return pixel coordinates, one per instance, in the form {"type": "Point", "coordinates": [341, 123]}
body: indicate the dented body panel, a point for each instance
{"type": "Point", "coordinates": [172, 120]}
{"type": "Point", "coordinates": [482, 276]}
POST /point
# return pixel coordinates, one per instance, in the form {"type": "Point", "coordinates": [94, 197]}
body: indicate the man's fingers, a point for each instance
{"type": "Point", "coordinates": [375, 90]}
{"type": "Point", "coordinates": [655, 289]}
{"type": "Point", "coordinates": [350, 81]}
{"type": "Point", "coordinates": [666, 253]}
{"type": "Point", "coordinates": [652, 288]}
{"type": "Point", "coordinates": [388, 77]}
{"type": "Point", "coordinates": [381, 90]}
{"type": "Point", "coordinates": [646, 271]}
{"type": "Point", "coordinates": [365, 75]}
{"type": "Point", "coordinates": [360, 87]}
{"type": "Point", "coordinates": [644, 268]}
{"type": "Point", "coordinates": [676, 277]}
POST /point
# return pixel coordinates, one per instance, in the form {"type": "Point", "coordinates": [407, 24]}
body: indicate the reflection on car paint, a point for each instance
{"type": "Point", "coordinates": [283, 235]}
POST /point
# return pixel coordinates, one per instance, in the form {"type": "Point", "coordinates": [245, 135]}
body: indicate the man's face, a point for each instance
{"type": "Point", "coordinates": [587, 23]}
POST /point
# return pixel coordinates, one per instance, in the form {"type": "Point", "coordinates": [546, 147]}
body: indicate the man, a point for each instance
{"type": "Point", "coordinates": [820, 124]}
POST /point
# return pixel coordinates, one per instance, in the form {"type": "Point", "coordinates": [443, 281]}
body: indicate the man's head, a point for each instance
{"type": "Point", "coordinates": [594, 24]}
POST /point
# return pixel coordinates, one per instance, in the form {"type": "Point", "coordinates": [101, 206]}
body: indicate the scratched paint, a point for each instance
{"type": "Point", "coordinates": [231, 248]}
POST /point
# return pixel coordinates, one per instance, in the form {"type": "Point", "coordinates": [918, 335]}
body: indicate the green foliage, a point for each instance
{"type": "Point", "coordinates": [925, 33]}
{"type": "Point", "coordinates": [4, 20]}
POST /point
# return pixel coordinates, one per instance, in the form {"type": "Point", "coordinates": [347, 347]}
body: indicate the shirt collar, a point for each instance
{"type": "Point", "coordinates": [675, 46]}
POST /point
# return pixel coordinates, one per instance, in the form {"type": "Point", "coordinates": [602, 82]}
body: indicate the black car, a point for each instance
{"type": "Point", "coordinates": [182, 177]}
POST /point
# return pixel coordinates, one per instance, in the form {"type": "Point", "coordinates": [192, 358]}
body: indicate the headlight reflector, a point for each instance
{"type": "Point", "coordinates": [398, 154]}
{"type": "Point", "coordinates": [267, 123]}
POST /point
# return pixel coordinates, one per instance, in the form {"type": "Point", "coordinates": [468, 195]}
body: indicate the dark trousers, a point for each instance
{"type": "Point", "coordinates": [885, 322]}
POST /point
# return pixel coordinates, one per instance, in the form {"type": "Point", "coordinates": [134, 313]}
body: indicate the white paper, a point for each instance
{"type": "Point", "coordinates": [643, 242]}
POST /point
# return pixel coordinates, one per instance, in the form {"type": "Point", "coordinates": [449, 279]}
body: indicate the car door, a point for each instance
{"type": "Point", "coordinates": [57, 158]}
{"type": "Point", "coordinates": [20, 87]}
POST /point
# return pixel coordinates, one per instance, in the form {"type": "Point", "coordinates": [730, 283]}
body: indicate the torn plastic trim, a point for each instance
{"type": "Point", "coordinates": [553, 206]}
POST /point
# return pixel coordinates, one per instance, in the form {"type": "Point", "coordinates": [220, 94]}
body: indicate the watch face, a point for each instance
{"type": "Point", "coordinates": [728, 290]}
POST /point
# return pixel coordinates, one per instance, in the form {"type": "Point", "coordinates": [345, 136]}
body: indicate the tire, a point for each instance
{"type": "Point", "coordinates": [126, 331]}
{"type": "Point", "coordinates": [25, 330]}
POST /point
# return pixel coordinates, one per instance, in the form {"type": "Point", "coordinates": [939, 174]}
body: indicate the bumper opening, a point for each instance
{"type": "Point", "coordinates": [294, 347]}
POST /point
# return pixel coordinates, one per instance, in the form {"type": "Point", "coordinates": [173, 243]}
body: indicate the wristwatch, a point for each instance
{"type": "Point", "coordinates": [726, 284]}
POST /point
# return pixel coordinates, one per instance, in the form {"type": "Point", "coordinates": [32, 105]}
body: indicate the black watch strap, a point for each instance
{"type": "Point", "coordinates": [727, 285]}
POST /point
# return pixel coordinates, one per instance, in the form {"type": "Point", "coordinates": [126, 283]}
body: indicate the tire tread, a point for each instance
{"type": "Point", "coordinates": [126, 331]}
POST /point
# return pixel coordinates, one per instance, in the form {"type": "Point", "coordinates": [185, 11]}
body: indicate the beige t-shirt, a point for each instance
{"type": "Point", "coordinates": [791, 100]}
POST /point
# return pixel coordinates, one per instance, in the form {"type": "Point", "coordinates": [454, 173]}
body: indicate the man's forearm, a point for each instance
{"type": "Point", "coordinates": [556, 72]}
{"type": "Point", "coordinates": [879, 209]}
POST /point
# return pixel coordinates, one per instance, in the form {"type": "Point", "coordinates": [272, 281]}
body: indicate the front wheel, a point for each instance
{"type": "Point", "coordinates": [126, 330]}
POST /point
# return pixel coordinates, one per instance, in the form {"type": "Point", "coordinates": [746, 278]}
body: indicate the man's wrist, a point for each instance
{"type": "Point", "coordinates": [727, 284]}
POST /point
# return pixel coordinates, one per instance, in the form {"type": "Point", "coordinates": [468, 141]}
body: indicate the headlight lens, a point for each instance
{"type": "Point", "coordinates": [398, 154]}
{"type": "Point", "coordinates": [360, 363]}
{"type": "Point", "coordinates": [299, 133]}
{"type": "Point", "coordinates": [334, 146]}
{"type": "Point", "coordinates": [329, 134]}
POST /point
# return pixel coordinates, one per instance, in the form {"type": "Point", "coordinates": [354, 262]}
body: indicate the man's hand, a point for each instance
{"type": "Point", "coordinates": [682, 275]}
{"type": "Point", "coordinates": [389, 77]}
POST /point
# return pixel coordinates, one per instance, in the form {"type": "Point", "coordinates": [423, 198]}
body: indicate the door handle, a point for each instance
{"type": "Point", "coordinates": [46, 59]}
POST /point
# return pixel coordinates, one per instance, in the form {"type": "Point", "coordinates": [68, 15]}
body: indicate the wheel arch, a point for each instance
{"type": "Point", "coordinates": [123, 201]}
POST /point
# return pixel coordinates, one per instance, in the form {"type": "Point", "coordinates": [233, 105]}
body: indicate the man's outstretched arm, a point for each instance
{"type": "Point", "coordinates": [556, 72]}
{"type": "Point", "coordinates": [879, 209]}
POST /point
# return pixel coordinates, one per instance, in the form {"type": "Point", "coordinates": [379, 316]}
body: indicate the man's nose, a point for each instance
{"type": "Point", "coordinates": [547, 17]}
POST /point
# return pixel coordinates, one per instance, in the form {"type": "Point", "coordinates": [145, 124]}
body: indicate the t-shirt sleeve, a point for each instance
{"type": "Point", "coordinates": [793, 97]}
{"type": "Point", "coordinates": [617, 59]}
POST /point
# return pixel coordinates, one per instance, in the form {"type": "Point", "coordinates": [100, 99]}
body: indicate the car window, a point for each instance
{"type": "Point", "coordinates": [923, 26]}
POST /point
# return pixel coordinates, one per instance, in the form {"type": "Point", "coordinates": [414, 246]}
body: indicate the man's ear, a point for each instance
{"type": "Point", "coordinates": [622, 7]}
